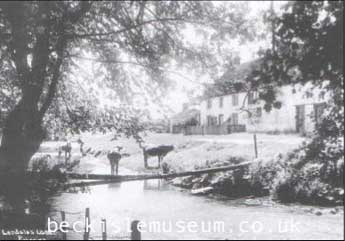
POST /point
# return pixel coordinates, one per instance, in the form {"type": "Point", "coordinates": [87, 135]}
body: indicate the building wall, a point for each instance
{"type": "Point", "coordinates": [227, 110]}
{"type": "Point", "coordinates": [277, 120]}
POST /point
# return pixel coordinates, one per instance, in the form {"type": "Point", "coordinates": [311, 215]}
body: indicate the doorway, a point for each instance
{"type": "Point", "coordinates": [300, 119]}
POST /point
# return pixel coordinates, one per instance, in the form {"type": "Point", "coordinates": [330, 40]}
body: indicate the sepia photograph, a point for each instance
{"type": "Point", "coordinates": [171, 120]}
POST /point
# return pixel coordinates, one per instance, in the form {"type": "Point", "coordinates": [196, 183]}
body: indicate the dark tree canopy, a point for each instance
{"type": "Point", "coordinates": [308, 47]}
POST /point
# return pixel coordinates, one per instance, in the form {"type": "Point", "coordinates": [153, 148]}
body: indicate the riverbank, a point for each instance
{"type": "Point", "coordinates": [199, 152]}
{"type": "Point", "coordinates": [191, 152]}
{"type": "Point", "coordinates": [159, 201]}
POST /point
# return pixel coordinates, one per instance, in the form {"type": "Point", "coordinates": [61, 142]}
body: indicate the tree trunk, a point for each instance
{"type": "Point", "coordinates": [22, 136]}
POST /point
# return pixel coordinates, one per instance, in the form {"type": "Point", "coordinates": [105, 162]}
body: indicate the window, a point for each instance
{"type": "Point", "coordinates": [211, 120]}
{"type": "Point", "coordinates": [259, 112]}
{"type": "Point", "coordinates": [235, 118]}
{"type": "Point", "coordinates": [318, 111]}
{"type": "Point", "coordinates": [209, 103]}
{"type": "Point", "coordinates": [235, 99]}
{"type": "Point", "coordinates": [221, 100]}
{"type": "Point", "coordinates": [220, 119]}
{"type": "Point", "coordinates": [322, 95]}
{"type": "Point", "coordinates": [251, 99]}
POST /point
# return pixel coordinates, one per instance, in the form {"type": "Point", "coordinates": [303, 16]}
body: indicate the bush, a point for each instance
{"type": "Point", "coordinates": [314, 174]}
{"type": "Point", "coordinates": [311, 174]}
{"type": "Point", "coordinates": [32, 192]}
{"type": "Point", "coordinates": [306, 186]}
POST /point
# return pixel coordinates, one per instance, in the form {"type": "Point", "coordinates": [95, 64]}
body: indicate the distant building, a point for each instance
{"type": "Point", "coordinates": [297, 114]}
{"type": "Point", "coordinates": [239, 110]}
{"type": "Point", "coordinates": [189, 116]}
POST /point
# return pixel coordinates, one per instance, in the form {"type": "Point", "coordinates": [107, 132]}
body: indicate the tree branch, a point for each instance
{"type": "Point", "coordinates": [53, 86]}
{"type": "Point", "coordinates": [133, 63]}
{"type": "Point", "coordinates": [122, 30]}
{"type": "Point", "coordinates": [14, 12]}
{"type": "Point", "coordinates": [61, 45]}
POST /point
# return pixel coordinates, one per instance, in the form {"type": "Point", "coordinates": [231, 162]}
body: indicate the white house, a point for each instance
{"type": "Point", "coordinates": [300, 104]}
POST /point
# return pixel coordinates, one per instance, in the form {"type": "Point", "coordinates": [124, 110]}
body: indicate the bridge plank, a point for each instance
{"type": "Point", "coordinates": [106, 179]}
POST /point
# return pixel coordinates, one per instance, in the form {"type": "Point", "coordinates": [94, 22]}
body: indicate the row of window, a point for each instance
{"type": "Point", "coordinates": [235, 100]}
{"type": "Point", "coordinates": [214, 120]}
{"type": "Point", "coordinates": [300, 116]}
{"type": "Point", "coordinates": [234, 119]}
{"type": "Point", "coordinates": [221, 101]}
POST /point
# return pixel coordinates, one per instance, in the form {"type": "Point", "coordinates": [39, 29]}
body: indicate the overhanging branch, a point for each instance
{"type": "Point", "coordinates": [55, 78]}
{"type": "Point", "coordinates": [61, 45]}
{"type": "Point", "coordinates": [134, 63]}
{"type": "Point", "coordinates": [87, 35]}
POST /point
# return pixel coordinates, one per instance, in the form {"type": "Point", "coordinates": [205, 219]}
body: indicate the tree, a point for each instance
{"type": "Point", "coordinates": [43, 44]}
{"type": "Point", "coordinates": [40, 42]}
{"type": "Point", "coordinates": [307, 46]}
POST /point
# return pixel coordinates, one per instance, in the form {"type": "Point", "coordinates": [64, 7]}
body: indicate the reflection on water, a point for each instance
{"type": "Point", "coordinates": [154, 185]}
{"type": "Point", "coordinates": [155, 201]}
{"type": "Point", "coordinates": [114, 185]}
{"type": "Point", "coordinates": [146, 185]}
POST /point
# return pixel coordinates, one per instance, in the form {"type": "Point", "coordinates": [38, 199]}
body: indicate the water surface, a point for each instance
{"type": "Point", "coordinates": [175, 214]}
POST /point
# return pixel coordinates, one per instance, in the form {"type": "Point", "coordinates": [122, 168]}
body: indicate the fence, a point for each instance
{"type": "Point", "coordinates": [177, 129]}
{"type": "Point", "coordinates": [61, 230]}
{"type": "Point", "coordinates": [134, 235]}
{"type": "Point", "coordinates": [214, 130]}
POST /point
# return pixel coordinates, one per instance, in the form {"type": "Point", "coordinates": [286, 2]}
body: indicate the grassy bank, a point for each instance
{"type": "Point", "coordinates": [275, 175]}
{"type": "Point", "coordinates": [190, 152]}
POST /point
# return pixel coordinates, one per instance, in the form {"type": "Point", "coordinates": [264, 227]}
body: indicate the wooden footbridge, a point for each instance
{"type": "Point", "coordinates": [98, 179]}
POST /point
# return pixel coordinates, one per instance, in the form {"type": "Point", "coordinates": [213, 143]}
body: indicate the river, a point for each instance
{"type": "Point", "coordinates": [173, 213]}
{"type": "Point", "coordinates": [168, 212]}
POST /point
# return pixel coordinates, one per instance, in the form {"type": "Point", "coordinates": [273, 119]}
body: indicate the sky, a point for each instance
{"type": "Point", "coordinates": [185, 82]}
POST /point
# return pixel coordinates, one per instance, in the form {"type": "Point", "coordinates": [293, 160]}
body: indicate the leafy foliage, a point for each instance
{"type": "Point", "coordinates": [73, 66]}
{"type": "Point", "coordinates": [51, 41]}
{"type": "Point", "coordinates": [84, 66]}
{"type": "Point", "coordinates": [314, 183]}
{"type": "Point", "coordinates": [308, 47]}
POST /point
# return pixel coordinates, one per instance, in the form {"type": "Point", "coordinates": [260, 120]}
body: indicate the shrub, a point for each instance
{"type": "Point", "coordinates": [314, 174]}
{"type": "Point", "coordinates": [306, 186]}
